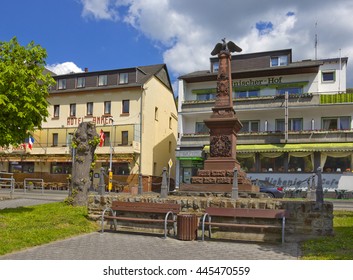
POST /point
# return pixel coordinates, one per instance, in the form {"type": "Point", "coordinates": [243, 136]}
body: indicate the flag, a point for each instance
{"type": "Point", "coordinates": [101, 138]}
{"type": "Point", "coordinates": [30, 142]}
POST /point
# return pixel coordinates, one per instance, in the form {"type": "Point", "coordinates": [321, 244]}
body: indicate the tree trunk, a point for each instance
{"type": "Point", "coordinates": [85, 142]}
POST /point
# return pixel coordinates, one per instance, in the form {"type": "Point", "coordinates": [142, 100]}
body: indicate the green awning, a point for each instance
{"type": "Point", "coordinates": [308, 147]}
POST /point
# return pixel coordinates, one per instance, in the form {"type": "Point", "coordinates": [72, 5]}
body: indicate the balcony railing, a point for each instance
{"type": "Point", "coordinates": [306, 136]}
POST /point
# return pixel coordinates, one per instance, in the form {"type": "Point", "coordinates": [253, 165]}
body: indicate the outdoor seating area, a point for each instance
{"type": "Point", "coordinates": [187, 225]}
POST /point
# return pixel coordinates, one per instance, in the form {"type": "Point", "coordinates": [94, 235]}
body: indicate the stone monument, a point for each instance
{"type": "Point", "coordinates": [217, 175]}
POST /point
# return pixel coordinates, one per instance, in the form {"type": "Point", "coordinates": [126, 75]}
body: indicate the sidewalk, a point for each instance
{"type": "Point", "coordinates": [130, 246]}
{"type": "Point", "coordinates": [133, 246]}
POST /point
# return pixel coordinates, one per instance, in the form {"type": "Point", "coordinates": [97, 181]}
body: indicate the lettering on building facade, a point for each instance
{"type": "Point", "coordinates": [104, 120]}
{"type": "Point", "coordinates": [260, 82]}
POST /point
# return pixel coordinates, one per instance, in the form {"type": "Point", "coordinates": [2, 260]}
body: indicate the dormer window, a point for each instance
{"type": "Point", "coordinates": [123, 78]}
{"type": "Point", "coordinates": [215, 66]}
{"type": "Point", "coordinates": [102, 80]}
{"type": "Point", "coordinates": [62, 84]}
{"type": "Point", "coordinates": [81, 82]}
{"type": "Point", "coordinates": [279, 61]}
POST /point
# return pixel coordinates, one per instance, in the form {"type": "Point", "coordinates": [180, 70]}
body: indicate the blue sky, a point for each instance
{"type": "Point", "coordinates": [110, 34]}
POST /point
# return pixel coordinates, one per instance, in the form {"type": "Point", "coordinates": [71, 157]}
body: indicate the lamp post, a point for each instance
{"type": "Point", "coordinates": [110, 185]}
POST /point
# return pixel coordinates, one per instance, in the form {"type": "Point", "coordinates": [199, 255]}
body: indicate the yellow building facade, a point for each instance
{"type": "Point", "coordinates": [133, 107]}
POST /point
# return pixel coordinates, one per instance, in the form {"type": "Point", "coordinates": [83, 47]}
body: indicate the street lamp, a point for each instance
{"type": "Point", "coordinates": [110, 184]}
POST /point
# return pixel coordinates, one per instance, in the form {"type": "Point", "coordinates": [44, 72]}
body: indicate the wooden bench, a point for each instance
{"type": "Point", "coordinates": [254, 215]}
{"type": "Point", "coordinates": [164, 213]}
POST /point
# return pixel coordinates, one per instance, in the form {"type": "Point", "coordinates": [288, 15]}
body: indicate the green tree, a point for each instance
{"type": "Point", "coordinates": [24, 85]}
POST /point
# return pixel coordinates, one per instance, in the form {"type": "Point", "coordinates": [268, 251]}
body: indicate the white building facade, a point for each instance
{"type": "Point", "coordinates": [296, 116]}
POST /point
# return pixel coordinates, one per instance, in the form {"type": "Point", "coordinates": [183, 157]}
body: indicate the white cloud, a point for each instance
{"type": "Point", "coordinates": [64, 68]}
{"type": "Point", "coordinates": [188, 30]}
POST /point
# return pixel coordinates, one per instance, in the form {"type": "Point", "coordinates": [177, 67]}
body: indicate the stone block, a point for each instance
{"type": "Point", "coordinates": [218, 173]}
{"type": "Point", "coordinates": [223, 180]}
{"type": "Point", "coordinates": [197, 180]}
{"type": "Point", "coordinates": [204, 173]}
{"type": "Point", "coordinates": [209, 180]}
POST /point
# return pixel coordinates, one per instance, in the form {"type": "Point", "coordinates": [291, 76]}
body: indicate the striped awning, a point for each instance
{"type": "Point", "coordinates": [281, 148]}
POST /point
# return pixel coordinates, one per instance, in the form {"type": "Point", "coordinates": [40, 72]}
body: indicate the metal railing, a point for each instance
{"type": "Point", "coordinates": [28, 184]}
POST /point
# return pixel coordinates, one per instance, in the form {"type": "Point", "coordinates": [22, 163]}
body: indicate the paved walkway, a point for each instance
{"type": "Point", "coordinates": [132, 246]}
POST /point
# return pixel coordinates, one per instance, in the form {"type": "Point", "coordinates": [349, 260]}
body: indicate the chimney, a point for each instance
{"type": "Point", "coordinates": [86, 69]}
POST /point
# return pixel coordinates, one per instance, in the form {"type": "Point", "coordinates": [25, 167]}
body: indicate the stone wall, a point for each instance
{"type": "Point", "coordinates": [307, 219]}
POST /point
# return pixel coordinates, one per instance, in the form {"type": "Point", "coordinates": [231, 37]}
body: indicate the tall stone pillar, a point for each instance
{"type": "Point", "coordinates": [223, 123]}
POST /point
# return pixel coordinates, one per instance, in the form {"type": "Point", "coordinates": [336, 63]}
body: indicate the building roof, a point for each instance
{"type": "Point", "coordinates": [258, 65]}
{"type": "Point", "coordinates": [138, 76]}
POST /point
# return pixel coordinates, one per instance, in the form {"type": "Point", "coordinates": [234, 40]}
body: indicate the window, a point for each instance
{"type": "Point", "coordinates": [72, 110]}
{"type": "Point", "coordinates": [89, 108]}
{"type": "Point", "coordinates": [328, 76]}
{"type": "Point", "coordinates": [124, 138]}
{"type": "Point", "coordinates": [107, 107]}
{"type": "Point", "coordinates": [102, 80]}
{"type": "Point", "coordinates": [81, 82]}
{"type": "Point", "coordinates": [206, 96]}
{"type": "Point", "coordinates": [279, 61]}
{"type": "Point", "coordinates": [126, 107]}
{"type": "Point", "coordinates": [170, 147]}
{"type": "Point", "coordinates": [123, 78]}
{"type": "Point", "coordinates": [250, 126]}
{"type": "Point", "coordinates": [61, 168]}
{"type": "Point", "coordinates": [341, 123]}
{"type": "Point", "coordinates": [170, 122]}
{"type": "Point", "coordinates": [215, 66]}
{"type": "Point", "coordinates": [247, 93]}
{"type": "Point", "coordinates": [61, 84]}
{"type": "Point", "coordinates": [201, 128]}
{"type": "Point", "coordinates": [55, 139]}
{"type": "Point", "coordinates": [294, 90]}
{"type": "Point", "coordinates": [69, 138]}
{"type": "Point", "coordinates": [295, 124]}
{"type": "Point", "coordinates": [121, 168]}
{"type": "Point", "coordinates": [272, 164]}
{"type": "Point", "coordinates": [56, 111]}
{"type": "Point", "coordinates": [156, 113]}
{"type": "Point", "coordinates": [300, 164]}
{"type": "Point", "coordinates": [21, 167]}
{"type": "Point", "coordinates": [332, 164]}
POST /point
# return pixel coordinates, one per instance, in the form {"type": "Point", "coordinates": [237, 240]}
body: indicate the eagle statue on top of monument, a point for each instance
{"type": "Point", "coordinates": [225, 46]}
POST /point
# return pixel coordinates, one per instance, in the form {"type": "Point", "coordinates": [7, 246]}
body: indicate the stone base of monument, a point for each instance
{"type": "Point", "coordinates": [217, 188]}
{"type": "Point", "coordinates": [218, 181]}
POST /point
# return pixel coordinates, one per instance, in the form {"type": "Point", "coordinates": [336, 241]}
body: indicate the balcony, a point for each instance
{"type": "Point", "coordinates": [260, 102]}
{"type": "Point", "coordinates": [273, 137]}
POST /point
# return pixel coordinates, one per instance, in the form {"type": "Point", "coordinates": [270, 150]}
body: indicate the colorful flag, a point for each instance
{"type": "Point", "coordinates": [30, 142]}
{"type": "Point", "coordinates": [101, 138]}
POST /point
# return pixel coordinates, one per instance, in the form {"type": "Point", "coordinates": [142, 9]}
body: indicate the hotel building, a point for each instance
{"type": "Point", "coordinates": [135, 109]}
{"type": "Point", "coordinates": [296, 116]}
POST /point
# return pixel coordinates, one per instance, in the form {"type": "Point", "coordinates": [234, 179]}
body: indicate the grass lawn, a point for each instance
{"type": "Point", "coordinates": [25, 227]}
{"type": "Point", "coordinates": [339, 247]}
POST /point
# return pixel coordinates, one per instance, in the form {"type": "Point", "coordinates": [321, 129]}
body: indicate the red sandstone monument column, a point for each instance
{"type": "Point", "coordinates": [223, 123]}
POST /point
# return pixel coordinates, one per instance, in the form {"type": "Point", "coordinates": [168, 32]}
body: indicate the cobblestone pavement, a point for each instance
{"type": "Point", "coordinates": [130, 246]}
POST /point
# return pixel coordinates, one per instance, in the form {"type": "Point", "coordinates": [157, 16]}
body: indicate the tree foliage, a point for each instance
{"type": "Point", "coordinates": [24, 85]}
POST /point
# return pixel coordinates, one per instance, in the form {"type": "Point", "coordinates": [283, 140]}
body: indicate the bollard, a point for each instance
{"type": "Point", "coordinates": [164, 187]}
{"type": "Point", "coordinates": [101, 185]}
{"type": "Point", "coordinates": [319, 190]}
{"type": "Point", "coordinates": [140, 186]}
{"type": "Point", "coordinates": [235, 192]}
